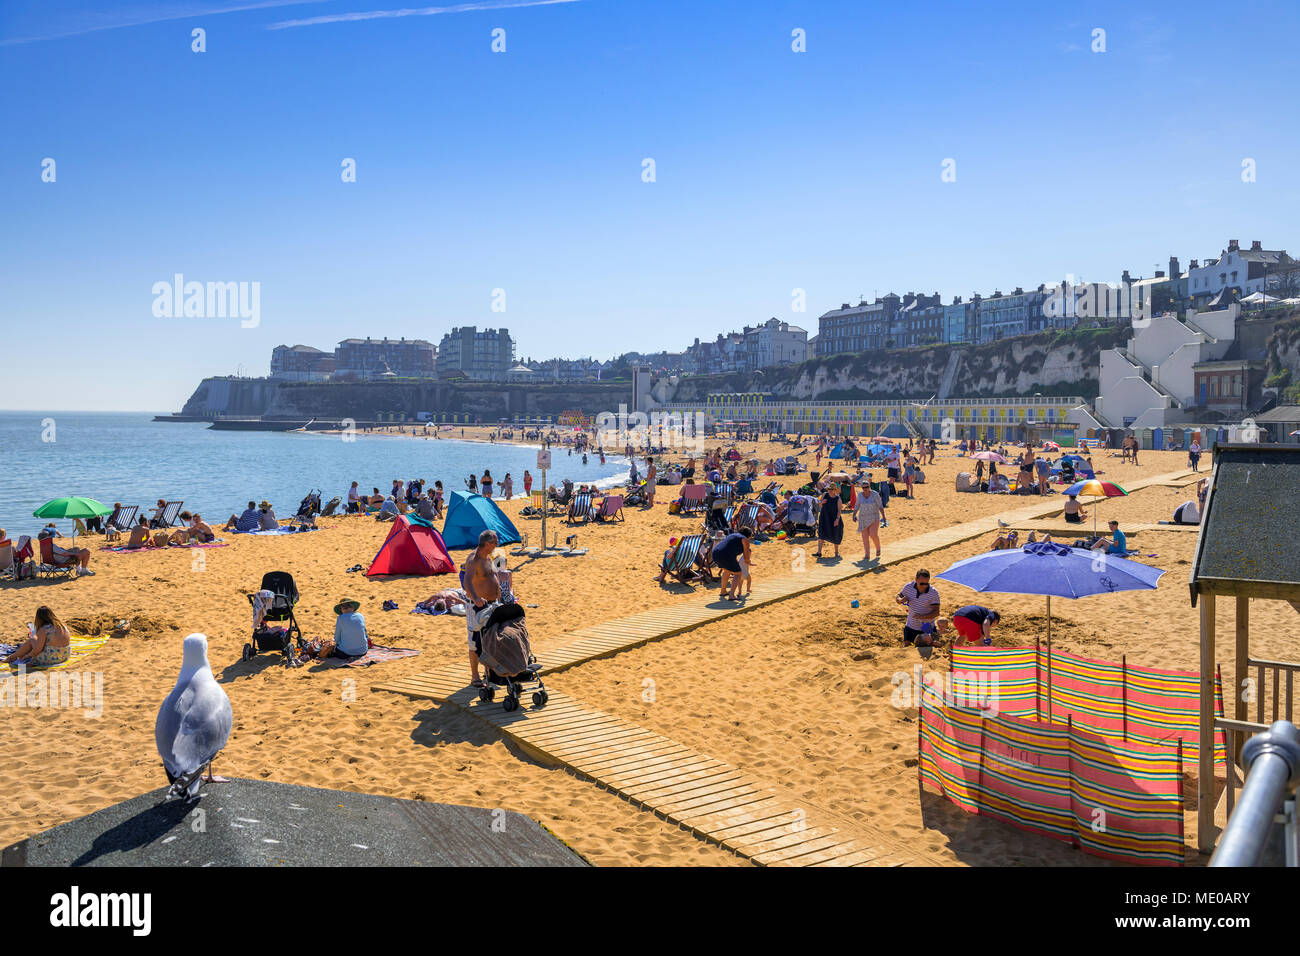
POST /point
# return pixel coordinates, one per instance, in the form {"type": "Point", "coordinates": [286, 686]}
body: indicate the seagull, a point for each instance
{"type": "Point", "coordinates": [193, 722]}
{"type": "Point", "coordinates": [1003, 524]}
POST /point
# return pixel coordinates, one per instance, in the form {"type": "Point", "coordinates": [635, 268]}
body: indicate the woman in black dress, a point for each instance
{"type": "Point", "coordinates": [830, 526]}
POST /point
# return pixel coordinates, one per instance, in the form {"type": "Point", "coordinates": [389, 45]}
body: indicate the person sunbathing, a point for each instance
{"type": "Point", "coordinates": [158, 512]}
{"type": "Point", "coordinates": [48, 645]}
{"type": "Point", "coordinates": [1006, 542]}
{"type": "Point", "coordinates": [266, 519]}
{"type": "Point", "coordinates": [1074, 512]}
{"type": "Point", "coordinates": [442, 601]}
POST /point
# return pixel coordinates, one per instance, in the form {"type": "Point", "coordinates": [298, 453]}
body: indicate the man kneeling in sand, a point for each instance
{"type": "Point", "coordinates": [484, 592]}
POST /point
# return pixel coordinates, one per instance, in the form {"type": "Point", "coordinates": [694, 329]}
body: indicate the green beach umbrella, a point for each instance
{"type": "Point", "coordinates": [73, 507]}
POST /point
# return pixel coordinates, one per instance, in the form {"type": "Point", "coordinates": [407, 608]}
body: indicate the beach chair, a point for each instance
{"type": "Point", "coordinates": [682, 563]}
{"type": "Point", "coordinates": [50, 567]}
{"type": "Point", "coordinates": [8, 569]}
{"type": "Point", "coordinates": [330, 508]}
{"type": "Point", "coordinates": [725, 489]}
{"type": "Point", "coordinates": [120, 520]}
{"type": "Point", "coordinates": [611, 508]}
{"type": "Point", "coordinates": [580, 507]}
{"type": "Point", "coordinates": [693, 497]}
{"type": "Point", "coordinates": [746, 517]}
{"type": "Point", "coordinates": [168, 517]}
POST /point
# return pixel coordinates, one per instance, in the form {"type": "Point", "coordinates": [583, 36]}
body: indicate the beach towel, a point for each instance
{"type": "Point", "coordinates": [280, 530]}
{"type": "Point", "coordinates": [123, 549]}
{"type": "Point", "coordinates": [79, 646]}
{"type": "Point", "coordinates": [375, 654]}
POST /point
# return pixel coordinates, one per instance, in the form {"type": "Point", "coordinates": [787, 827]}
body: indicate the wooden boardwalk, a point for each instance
{"type": "Point", "coordinates": [713, 800]}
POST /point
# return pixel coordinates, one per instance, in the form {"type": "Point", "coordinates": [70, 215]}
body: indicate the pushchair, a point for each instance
{"type": "Point", "coordinates": [276, 609]}
{"type": "Point", "coordinates": [507, 655]}
{"type": "Point", "coordinates": [310, 505]}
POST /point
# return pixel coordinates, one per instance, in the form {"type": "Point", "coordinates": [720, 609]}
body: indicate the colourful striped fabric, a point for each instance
{"type": "Point", "coordinates": [1121, 801]}
{"type": "Point", "coordinates": [1120, 701]}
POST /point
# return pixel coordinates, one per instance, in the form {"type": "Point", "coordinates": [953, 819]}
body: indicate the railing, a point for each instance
{"type": "Point", "coordinates": [1272, 761]}
{"type": "Point", "coordinates": [1274, 698]}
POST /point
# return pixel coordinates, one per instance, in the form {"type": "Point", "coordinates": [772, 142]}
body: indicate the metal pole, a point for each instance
{"type": "Point", "coordinates": [1049, 658]}
{"type": "Point", "coordinates": [1273, 762]}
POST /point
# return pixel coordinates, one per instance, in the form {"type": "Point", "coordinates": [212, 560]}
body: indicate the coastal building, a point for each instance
{"type": "Point", "coordinates": [856, 328]}
{"type": "Point", "coordinates": [477, 355]}
{"type": "Point", "coordinates": [724, 354]}
{"type": "Point", "coordinates": [1243, 271]}
{"type": "Point", "coordinates": [301, 363]}
{"type": "Point", "coordinates": [775, 343]}
{"type": "Point", "coordinates": [920, 321]}
{"type": "Point", "coordinates": [959, 320]}
{"type": "Point", "coordinates": [1014, 313]}
{"type": "Point", "coordinates": [1228, 386]}
{"type": "Point", "coordinates": [370, 358]}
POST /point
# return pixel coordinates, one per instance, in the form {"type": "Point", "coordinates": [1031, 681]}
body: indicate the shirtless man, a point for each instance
{"type": "Point", "coordinates": [484, 593]}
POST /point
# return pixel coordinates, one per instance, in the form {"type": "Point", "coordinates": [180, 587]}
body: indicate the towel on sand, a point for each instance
{"type": "Point", "coordinates": [375, 654]}
{"type": "Point", "coordinates": [79, 646]}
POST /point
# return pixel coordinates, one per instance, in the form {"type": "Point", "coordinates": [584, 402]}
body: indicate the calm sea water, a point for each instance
{"type": "Point", "coordinates": [126, 457]}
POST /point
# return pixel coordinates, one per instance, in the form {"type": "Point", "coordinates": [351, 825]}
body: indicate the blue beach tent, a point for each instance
{"type": "Point", "coordinates": [469, 515]}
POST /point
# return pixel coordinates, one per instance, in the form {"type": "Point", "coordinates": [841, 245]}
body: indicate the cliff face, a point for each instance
{"type": "Point", "coordinates": [1053, 363]}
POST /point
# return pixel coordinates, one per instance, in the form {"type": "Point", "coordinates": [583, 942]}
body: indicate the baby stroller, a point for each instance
{"type": "Point", "coordinates": [278, 608]}
{"type": "Point", "coordinates": [310, 505]}
{"type": "Point", "coordinates": [508, 657]}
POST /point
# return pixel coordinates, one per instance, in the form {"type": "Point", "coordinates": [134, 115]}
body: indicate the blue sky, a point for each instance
{"type": "Point", "coordinates": [522, 170]}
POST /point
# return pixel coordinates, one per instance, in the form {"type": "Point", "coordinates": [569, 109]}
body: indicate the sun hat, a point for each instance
{"type": "Point", "coordinates": [264, 504]}
{"type": "Point", "coordinates": [338, 608]}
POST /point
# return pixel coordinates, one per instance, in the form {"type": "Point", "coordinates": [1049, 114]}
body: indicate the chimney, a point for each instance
{"type": "Point", "coordinates": [1194, 264]}
{"type": "Point", "coordinates": [1233, 246]}
{"type": "Point", "coordinates": [1160, 273]}
{"type": "Point", "coordinates": [1174, 269]}
{"type": "Point", "coordinates": [1125, 278]}
{"type": "Point", "coordinates": [844, 305]}
{"type": "Point", "coordinates": [1256, 246]}
{"type": "Point", "coordinates": [1019, 291]}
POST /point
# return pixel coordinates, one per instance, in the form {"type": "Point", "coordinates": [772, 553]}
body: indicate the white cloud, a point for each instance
{"type": "Point", "coordinates": [414, 12]}
{"type": "Point", "coordinates": [83, 22]}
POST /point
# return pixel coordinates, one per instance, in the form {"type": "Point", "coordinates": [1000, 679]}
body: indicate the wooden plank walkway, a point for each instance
{"type": "Point", "coordinates": [1078, 530]}
{"type": "Point", "coordinates": [709, 798]}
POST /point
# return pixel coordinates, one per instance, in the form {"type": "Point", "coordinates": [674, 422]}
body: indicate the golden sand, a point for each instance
{"type": "Point", "coordinates": [796, 693]}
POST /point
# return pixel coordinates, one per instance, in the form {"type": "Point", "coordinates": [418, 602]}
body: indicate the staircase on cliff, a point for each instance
{"type": "Point", "coordinates": [950, 373]}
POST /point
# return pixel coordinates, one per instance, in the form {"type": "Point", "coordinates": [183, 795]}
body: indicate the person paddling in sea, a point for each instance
{"type": "Point", "coordinates": [485, 484]}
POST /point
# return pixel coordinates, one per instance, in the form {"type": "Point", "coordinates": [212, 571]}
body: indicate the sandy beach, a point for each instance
{"type": "Point", "coordinates": [797, 693]}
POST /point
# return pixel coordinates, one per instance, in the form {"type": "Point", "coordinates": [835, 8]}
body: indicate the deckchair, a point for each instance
{"type": "Point", "coordinates": [611, 507]}
{"type": "Point", "coordinates": [682, 562]}
{"type": "Point", "coordinates": [123, 519]}
{"type": "Point", "coordinates": [168, 517]}
{"type": "Point", "coordinates": [693, 498]}
{"type": "Point", "coordinates": [580, 506]}
{"type": "Point", "coordinates": [52, 568]}
{"type": "Point", "coordinates": [725, 489]}
{"type": "Point", "coordinates": [8, 569]}
{"type": "Point", "coordinates": [331, 507]}
{"type": "Point", "coordinates": [747, 517]}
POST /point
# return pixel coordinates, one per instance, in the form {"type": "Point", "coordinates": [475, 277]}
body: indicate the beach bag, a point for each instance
{"type": "Point", "coordinates": [504, 639]}
{"type": "Point", "coordinates": [675, 507]}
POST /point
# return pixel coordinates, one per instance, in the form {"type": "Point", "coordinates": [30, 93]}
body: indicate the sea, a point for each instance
{"type": "Point", "coordinates": [128, 457]}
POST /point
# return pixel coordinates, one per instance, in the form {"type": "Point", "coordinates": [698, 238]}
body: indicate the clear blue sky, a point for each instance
{"type": "Point", "coordinates": [522, 171]}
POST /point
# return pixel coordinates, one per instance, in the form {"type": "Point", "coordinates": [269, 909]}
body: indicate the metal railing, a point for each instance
{"type": "Point", "coordinates": [1272, 761]}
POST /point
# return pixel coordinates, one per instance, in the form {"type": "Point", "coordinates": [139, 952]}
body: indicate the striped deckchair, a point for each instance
{"type": "Point", "coordinates": [168, 517]}
{"type": "Point", "coordinates": [693, 498]}
{"type": "Point", "coordinates": [123, 519]}
{"type": "Point", "coordinates": [580, 507]}
{"type": "Point", "coordinates": [682, 562]}
{"type": "Point", "coordinates": [746, 516]}
{"type": "Point", "coordinates": [725, 489]}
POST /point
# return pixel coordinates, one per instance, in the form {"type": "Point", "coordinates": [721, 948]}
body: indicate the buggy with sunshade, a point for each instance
{"type": "Point", "coordinates": [274, 626]}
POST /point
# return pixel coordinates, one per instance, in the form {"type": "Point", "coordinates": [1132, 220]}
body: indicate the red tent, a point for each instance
{"type": "Point", "coordinates": [412, 547]}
